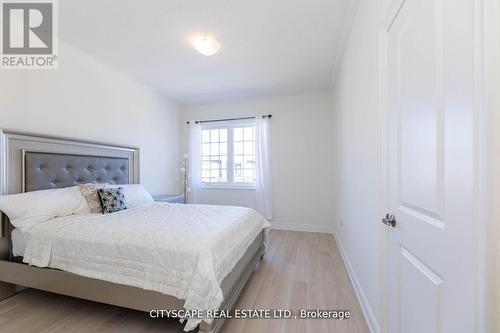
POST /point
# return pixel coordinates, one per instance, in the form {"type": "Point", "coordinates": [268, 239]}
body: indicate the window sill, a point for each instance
{"type": "Point", "coordinates": [227, 187]}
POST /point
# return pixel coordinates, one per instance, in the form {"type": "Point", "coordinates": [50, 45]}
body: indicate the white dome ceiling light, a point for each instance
{"type": "Point", "coordinates": [206, 45]}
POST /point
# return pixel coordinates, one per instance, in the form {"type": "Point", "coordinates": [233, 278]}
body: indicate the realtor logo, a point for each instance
{"type": "Point", "coordinates": [28, 34]}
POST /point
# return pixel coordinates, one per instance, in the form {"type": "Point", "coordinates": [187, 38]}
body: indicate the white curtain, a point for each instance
{"type": "Point", "coordinates": [263, 165]}
{"type": "Point", "coordinates": [194, 167]}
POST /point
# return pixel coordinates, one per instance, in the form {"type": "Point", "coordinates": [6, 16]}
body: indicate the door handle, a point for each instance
{"type": "Point", "coordinates": [389, 220]}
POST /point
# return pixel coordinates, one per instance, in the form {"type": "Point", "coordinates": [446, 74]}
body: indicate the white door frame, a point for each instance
{"type": "Point", "coordinates": [486, 19]}
{"type": "Point", "coordinates": [488, 299]}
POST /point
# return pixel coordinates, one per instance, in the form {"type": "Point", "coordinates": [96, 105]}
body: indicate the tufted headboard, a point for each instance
{"type": "Point", "coordinates": [30, 162]}
{"type": "Point", "coordinates": [45, 170]}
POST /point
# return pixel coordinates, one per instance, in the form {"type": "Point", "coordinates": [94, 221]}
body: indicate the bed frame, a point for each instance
{"type": "Point", "coordinates": [34, 162]}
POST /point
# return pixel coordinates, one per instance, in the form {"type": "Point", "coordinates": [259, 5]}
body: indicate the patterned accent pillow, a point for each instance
{"type": "Point", "coordinates": [112, 200]}
{"type": "Point", "coordinates": [89, 191]}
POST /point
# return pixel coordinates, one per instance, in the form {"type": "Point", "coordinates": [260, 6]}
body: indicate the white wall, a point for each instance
{"type": "Point", "coordinates": [358, 149]}
{"type": "Point", "coordinates": [490, 233]}
{"type": "Point", "coordinates": [301, 143]}
{"type": "Point", "coordinates": [86, 99]}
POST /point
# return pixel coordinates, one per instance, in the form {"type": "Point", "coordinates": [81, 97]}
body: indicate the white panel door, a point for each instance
{"type": "Point", "coordinates": [432, 147]}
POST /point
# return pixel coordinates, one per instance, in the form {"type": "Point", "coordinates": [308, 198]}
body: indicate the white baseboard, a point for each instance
{"type": "Point", "coordinates": [302, 227]}
{"type": "Point", "coordinates": [363, 301]}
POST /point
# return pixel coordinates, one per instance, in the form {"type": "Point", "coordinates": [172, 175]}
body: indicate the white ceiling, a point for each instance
{"type": "Point", "coordinates": [269, 47]}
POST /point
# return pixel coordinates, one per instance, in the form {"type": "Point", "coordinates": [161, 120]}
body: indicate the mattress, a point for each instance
{"type": "Point", "coordinates": [180, 250]}
{"type": "Point", "coordinates": [19, 241]}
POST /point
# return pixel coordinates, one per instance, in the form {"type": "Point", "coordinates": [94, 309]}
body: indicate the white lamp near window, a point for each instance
{"type": "Point", "coordinates": [194, 172]}
{"type": "Point", "coordinates": [185, 177]}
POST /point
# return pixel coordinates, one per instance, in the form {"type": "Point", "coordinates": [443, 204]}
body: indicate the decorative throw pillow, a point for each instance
{"type": "Point", "coordinates": [112, 200]}
{"type": "Point", "coordinates": [89, 191]}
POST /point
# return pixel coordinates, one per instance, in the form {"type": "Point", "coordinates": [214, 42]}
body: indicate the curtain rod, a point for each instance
{"type": "Point", "coordinates": [229, 119]}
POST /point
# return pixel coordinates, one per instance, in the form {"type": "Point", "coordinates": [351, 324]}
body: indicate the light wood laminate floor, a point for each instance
{"type": "Point", "coordinates": [300, 271]}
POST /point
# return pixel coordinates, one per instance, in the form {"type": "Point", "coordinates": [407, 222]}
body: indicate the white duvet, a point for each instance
{"type": "Point", "coordinates": [180, 250]}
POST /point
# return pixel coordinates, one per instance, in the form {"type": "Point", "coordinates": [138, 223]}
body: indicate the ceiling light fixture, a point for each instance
{"type": "Point", "coordinates": [206, 45]}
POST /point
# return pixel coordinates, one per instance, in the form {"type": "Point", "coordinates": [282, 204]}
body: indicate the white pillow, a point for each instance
{"type": "Point", "coordinates": [26, 210]}
{"type": "Point", "coordinates": [135, 194]}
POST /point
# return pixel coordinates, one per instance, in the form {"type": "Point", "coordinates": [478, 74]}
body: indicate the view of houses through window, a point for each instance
{"type": "Point", "coordinates": [228, 154]}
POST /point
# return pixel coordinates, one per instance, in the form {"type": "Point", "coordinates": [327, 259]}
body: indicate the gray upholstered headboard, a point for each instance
{"type": "Point", "coordinates": [46, 170]}
{"type": "Point", "coordinates": [31, 162]}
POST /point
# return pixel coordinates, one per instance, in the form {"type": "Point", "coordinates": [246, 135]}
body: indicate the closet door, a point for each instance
{"type": "Point", "coordinates": [432, 155]}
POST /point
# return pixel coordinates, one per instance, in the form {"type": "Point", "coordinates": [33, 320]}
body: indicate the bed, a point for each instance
{"type": "Point", "coordinates": [152, 256]}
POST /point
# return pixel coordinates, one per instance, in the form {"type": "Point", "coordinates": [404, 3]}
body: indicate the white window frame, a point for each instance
{"type": "Point", "coordinates": [230, 125]}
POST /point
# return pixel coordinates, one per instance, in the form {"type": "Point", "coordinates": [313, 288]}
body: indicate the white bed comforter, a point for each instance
{"type": "Point", "coordinates": [180, 250]}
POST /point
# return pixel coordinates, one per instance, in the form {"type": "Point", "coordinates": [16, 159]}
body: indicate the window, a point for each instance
{"type": "Point", "coordinates": [228, 154]}
{"type": "Point", "coordinates": [214, 155]}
